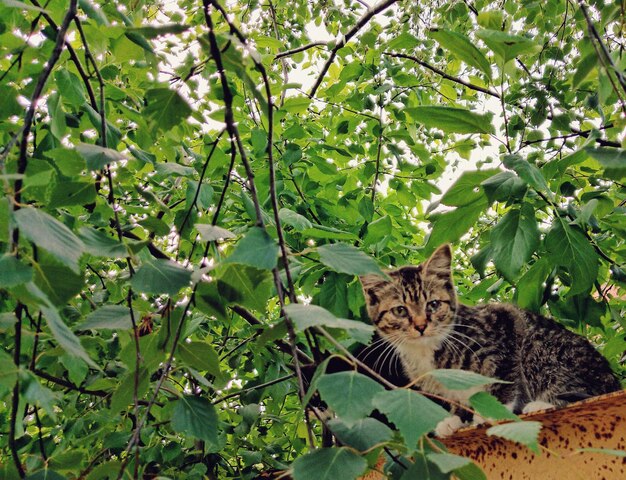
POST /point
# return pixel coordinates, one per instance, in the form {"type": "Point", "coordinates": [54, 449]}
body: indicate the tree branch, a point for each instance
{"type": "Point", "coordinates": [342, 41]}
{"type": "Point", "coordinates": [604, 55]}
{"type": "Point", "coordinates": [16, 392]}
{"type": "Point", "coordinates": [444, 74]}
{"type": "Point", "coordinates": [293, 51]}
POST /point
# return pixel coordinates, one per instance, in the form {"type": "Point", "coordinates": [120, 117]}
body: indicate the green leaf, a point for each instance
{"type": "Point", "coordinates": [471, 471]}
{"type": "Point", "coordinates": [413, 414]}
{"type": "Point", "coordinates": [70, 87]}
{"type": "Point", "coordinates": [462, 48]}
{"type": "Point", "coordinates": [256, 249]}
{"type": "Point", "coordinates": [93, 12]}
{"type": "Point", "coordinates": [378, 230]}
{"type": "Point", "coordinates": [451, 119]}
{"type": "Point", "coordinates": [349, 394]}
{"type": "Point", "coordinates": [154, 31]}
{"type": "Point", "coordinates": [245, 286]}
{"type": "Point", "coordinates": [329, 464]}
{"type": "Point", "coordinates": [333, 294]}
{"type": "Point", "coordinates": [211, 233]}
{"type": "Point", "coordinates": [61, 332]}
{"type": "Point", "coordinates": [606, 451]}
{"type": "Point", "coordinates": [504, 187]}
{"type": "Point", "coordinates": [297, 221]}
{"type": "Point", "coordinates": [585, 66]}
{"type": "Point", "coordinates": [174, 169]}
{"type": "Point", "coordinates": [344, 258]}
{"type": "Point", "coordinates": [98, 157]}
{"type": "Point", "coordinates": [196, 416]}
{"type": "Point", "coordinates": [363, 435]}
{"type": "Point", "coordinates": [612, 159]}
{"type": "Point", "coordinates": [8, 102]}
{"type": "Point", "coordinates": [161, 276]}
{"type": "Point", "coordinates": [319, 231]}
{"type": "Point", "coordinates": [57, 116]}
{"type": "Point", "coordinates": [467, 188]}
{"type": "Point", "coordinates": [530, 288]}
{"type": "Point", "coordinates": [489, 406]}
{"type": "Point", "coordinates": [68, 193]}
{"type": "Point", "coordinates": [305, 316]}
{"type": "Point", "coordinates": [447, 462]}
{"type": "Point", "coordinates": [452, 225]}
{"type": "Point", "coordinates": [108, 317]}
{"type": "Point", "coordinates": [514, 239]}
{"type": "Point", "coordinates": [508, 46]}
{"type": "Point", "coordinates": [525, 433]}
{"type": "Point", "coordinates": [200, 356]}
{"type": "Point", "coordinates": [99, 244]}
{"type": "Point", "coordinates": [527, 172]}
{"type": "Point", "coordinates": [569, 248]}
{"type": "Point", "coordinates": [423, 469]}
{"type": "Point", "coordinates": [8, 372]}
{"type": "Point", "coordinates": [13, 272]}
{"type": "Point", "coordinates": [124, 393]}
{"type": "Point", "coordinates": [46, 474]}
{"type": "Point", "coordinates": [48, 233]}
{"type": "Point", "coordinates": [296, 104]}
{"type": "Point", "coordinates": [35, 393]}
{"type": "Point", "coordinates": [166, 108]}
{"type": "Point", "coordinates": [492, 20]}
{"type": "Point", "coordinates": [22, 5]}
{"type": "Point", "coordinates": [47, 275]}
{"type": "Point", "coordinates": [455, 379]}
{"type": "Point", "coordinates": [404, 41]}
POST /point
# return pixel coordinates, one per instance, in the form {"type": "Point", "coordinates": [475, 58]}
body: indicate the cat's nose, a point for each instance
{"type": "Point", "coordinates": [421, 328]}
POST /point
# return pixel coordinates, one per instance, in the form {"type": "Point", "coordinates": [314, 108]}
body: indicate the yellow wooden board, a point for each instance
{"type": "Point", "coordinates": [597, 423]}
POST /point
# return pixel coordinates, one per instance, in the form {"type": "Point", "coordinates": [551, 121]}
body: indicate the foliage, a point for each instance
{"type": "Point", "coordinates": [177, 173]}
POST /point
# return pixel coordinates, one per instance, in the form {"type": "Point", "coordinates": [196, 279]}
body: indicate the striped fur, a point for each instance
{"type": "Point", "coordinates": [416, 310]}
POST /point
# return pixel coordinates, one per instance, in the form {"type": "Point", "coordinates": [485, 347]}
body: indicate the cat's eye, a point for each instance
{"type": "Point", "coordinates": [433, 305]}
{"type": "Point", "coordinates": [400, 311]}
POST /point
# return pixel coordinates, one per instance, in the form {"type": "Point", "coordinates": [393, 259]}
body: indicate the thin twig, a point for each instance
{"type": "Point", "coordinates": [69, 385]}
{"type": "Point", "coordinates": [283, 60]}
{"type": "Point", "coordinates": [604, 55]}
{"type": "Point", "coordinates": [250, 389]}
{"type": "Point", "coordinates": [378, 154]}
{"type": "Point", "coordinates": [197, 193]}
{"type": "Point", "coordinates": [302, 48]}
{"type": "Point", "coordinates": [444, 74]}
{"type": "Point", "coordinates": [16, 392]}
{"type": "Point", "coordinates": [231, 127]}
{"type": "Point", "coordinates": [343, 40]}
{"type": "Point", "coordinates": [280, 344]}
{"type": "Point", "coordinates": [30, 113]}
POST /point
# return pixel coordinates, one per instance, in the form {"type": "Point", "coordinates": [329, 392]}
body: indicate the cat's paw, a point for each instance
{"type": "Point", "coordinates": [478, 420]}
{"type": "Point", "coordinates": [447, 427]}
{"type": "Point", "coordinates": [536, 406]}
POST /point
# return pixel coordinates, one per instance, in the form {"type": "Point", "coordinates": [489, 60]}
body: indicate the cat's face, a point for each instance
{"type": "Point", "coordinates": [416, 302]}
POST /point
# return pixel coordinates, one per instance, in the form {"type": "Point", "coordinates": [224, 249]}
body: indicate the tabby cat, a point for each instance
{"type": "Point", "coordinates": [416, 311]}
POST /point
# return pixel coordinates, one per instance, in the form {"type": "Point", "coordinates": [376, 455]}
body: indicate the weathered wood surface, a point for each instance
{"type": "Point", "coordinates": [597, 423]}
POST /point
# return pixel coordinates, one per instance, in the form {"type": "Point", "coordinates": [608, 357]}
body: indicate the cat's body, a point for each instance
{"type": "Point", "coordinates": [417, 312]}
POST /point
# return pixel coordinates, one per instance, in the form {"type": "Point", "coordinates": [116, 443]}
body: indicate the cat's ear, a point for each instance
{"type": "Point", "coordinates": [440, 261]}
{"type": "Point", "coordinates": [371, 285]}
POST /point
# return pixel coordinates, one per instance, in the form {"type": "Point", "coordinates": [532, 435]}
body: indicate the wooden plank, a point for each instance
{"type": "Point", "coordinates": [599, 422]}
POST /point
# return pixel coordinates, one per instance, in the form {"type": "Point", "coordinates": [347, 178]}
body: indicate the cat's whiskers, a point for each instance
{"type": "Point", "coordinates": [456, 332]}
{"type": "Point", "coordinates": [460, 341]}
{"type": "Point", "coordinates": [380, 361]}
{"type": "Point", "coordinates": [448, 343]}
{"type": "Point", "coordinates": [449, 337]}
{"type": "Point", "coordinates": [381, 342]}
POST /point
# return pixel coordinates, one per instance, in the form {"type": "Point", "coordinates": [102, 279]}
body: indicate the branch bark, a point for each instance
{"type": "Point", "coordinates": [342, 41]}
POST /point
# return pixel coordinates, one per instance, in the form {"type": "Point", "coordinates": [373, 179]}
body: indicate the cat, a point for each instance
{"type": "Point", "coordinates": [415, 310]}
